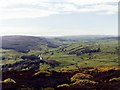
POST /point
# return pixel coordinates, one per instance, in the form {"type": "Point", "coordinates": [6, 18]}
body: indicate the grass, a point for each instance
{"type": "Point", "coordinates": [10, 61]}
{"type": "Point", "coordinates": [98, 72]}
{"type": "Point", "coordinates": [107, 56]}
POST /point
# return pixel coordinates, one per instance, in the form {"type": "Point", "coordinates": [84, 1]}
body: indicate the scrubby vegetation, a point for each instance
{"type": "Point", "coordinates": [65, 80]}
{"type": "Point", "coordinates": [81, 76]}
{"type": "Point", "coordinates": [9, 80]}
{"type": "Point", "coordinates": [91, 64]}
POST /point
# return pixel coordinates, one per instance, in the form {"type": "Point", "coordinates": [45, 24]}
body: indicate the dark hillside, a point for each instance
{"type": "Point", "coordinates": [24, 43]}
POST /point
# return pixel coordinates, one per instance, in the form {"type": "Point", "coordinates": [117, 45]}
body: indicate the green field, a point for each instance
{"type": "Point", "coordinates": [66, 54]}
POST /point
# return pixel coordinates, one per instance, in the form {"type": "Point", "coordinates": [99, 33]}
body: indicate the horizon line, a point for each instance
{"type": "Point", "coordinates": [59, 35]}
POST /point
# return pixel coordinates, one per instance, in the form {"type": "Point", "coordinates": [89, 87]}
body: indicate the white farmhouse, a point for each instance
{"type": "Point", "coordinates": [40, 57]}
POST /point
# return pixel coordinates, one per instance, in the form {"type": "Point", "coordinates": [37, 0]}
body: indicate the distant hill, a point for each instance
{"type": "Point", "coordinates": [24, 43]}
{"type": "Point", "coordinates": [87, 37]}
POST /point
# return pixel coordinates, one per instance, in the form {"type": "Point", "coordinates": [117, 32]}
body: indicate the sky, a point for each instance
{"type": "Point", "coordinates": [58, 17]}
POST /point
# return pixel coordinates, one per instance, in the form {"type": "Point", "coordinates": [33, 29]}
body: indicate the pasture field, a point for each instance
{"type": "Point", "coordinates": [83, 65]}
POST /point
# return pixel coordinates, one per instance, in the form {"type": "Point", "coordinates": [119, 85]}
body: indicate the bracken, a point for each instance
{"type": "Point", "coordinates": [114, 79]}
{"type": "Point", "coordinates": [9, 80]}
{"type": "Point", "coordinates": [79, 76]}
{"type": "Point", "coordinates": [83, 83]}
{"type": "Point", "coordinates": [46, 73]}
{"type": "Point", "coordinates": [63, 85]}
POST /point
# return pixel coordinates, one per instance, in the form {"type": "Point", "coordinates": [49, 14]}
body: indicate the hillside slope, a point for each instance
{"type": "Point", "coordinates": [24, 43]}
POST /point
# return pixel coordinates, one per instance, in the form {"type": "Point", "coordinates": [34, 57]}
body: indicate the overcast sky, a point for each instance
{"type": "Point", "coordinates": [58, 17]}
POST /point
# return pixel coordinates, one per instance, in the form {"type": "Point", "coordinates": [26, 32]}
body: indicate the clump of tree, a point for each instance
{"type": "Point", "coordinates": [84, 51]}
{"type": "Point", "coordinates": [29, 57]}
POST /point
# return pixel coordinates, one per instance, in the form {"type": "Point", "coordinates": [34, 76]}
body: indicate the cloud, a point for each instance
{"type": "Point", "coordinates": [25, 13]}
{"type": "Point", "coordinates": [42, 8]}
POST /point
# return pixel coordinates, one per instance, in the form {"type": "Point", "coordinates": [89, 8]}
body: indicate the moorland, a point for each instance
{"type": "Point", "coordinates": [88, 62]}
